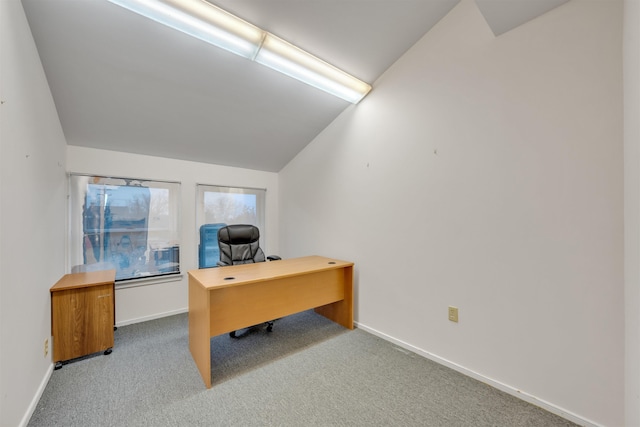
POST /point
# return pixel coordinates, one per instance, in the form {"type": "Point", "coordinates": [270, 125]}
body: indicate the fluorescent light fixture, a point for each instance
{"type": "Point", "coordinates": [202, 20]}
{"type": "Point", "coordinates": [295, 62]}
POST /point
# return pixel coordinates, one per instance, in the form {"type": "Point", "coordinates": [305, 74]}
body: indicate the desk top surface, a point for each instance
{"type": "Point", "coordinates": [243, 274]}
{"type": "Point", "coordinates": [83, 280]}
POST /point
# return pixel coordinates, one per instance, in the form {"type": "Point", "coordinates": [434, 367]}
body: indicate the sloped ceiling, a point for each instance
{"type": "Point", "coordinates": [505, 15]}
{"type": "Point", "coordinates": [125, 83]}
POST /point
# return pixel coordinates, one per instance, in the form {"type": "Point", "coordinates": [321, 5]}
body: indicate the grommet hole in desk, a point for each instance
{"type": "Point", "coordinates": [229, 278]}
{"type": "Point", "coordinates": [331, 262]}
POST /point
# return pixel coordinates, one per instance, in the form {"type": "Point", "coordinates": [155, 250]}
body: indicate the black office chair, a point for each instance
{"type": "Point", "coordinates": [239, 244]}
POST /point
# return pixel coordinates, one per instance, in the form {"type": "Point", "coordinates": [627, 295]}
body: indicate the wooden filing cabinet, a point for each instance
{"type": "Point", "coordinates": [82, 314]}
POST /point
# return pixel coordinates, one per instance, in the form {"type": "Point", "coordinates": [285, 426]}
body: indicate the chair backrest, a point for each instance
{"type": "Point", "coordinates": [239, 244]}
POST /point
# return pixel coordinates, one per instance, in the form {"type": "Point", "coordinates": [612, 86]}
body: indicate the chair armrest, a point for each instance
{"type": "Point", "coordinates": [273, 258]}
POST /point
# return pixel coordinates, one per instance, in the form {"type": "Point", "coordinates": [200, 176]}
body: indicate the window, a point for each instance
{"type": "Point", "coordinates": [127, 224]}
{"type": "Point", "coordinates": [219, 206]}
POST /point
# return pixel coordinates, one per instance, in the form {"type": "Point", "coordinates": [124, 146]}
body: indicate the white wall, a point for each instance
{"type": "Point", "coordinates": [632, 209]}
{"type": "Point", "coordinates": [486, 173]}
{"type": "Point", "coordinates": [147, 302]}
{"type": "Point", "coordinates": [32, 197]}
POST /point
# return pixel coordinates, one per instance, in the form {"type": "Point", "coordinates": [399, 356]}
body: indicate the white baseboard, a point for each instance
{"type": "Point", "coordinates": [45, 380]}
{"type": "Point", "coordinates": [152, 317]}
{"type": "Point", "coordinates": [36, 398]}
{"type": "Point", "coordinates": [496, 384]}
{"type": "Point", "coordinates": [568, 415]}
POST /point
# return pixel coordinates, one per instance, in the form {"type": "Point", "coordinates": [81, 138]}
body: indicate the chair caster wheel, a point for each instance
{"type": "Point", "coordinates": [108, 351]}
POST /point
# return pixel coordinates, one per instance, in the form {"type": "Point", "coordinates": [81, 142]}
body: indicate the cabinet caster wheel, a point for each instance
{"type": "Point", "coordinates": [233, 334]}
{"type": "Point", "coordinates": [108, 351]}
{"type": "Point", "coordinates": [270, 327]}
{"type": "Point", "coordinates": [57, 366]}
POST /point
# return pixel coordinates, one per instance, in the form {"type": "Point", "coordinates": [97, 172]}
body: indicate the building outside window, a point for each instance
{"type": "Point", "coordinates": [130, 225]}
{"type": "Point", "coordinates": [218, 206]}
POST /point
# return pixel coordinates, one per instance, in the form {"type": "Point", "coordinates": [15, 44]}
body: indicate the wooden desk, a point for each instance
{"type": "Point", "coordinates": [82, 314]}
{"type": "Point", "coordinates": [226, 299]}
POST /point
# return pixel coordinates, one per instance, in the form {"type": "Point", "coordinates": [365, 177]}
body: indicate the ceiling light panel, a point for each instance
{"type": "Point", "coordinates": [295, 62]}
{"type": "Point", "coordinates": [201, 20]}
{"type": "Point", "coordinates": [209, 23]}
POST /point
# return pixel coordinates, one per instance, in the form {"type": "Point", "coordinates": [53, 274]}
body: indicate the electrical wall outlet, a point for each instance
{"type": "Point", "coordinates": [453, 314]}
{"type": "Point", "coordinates": [46, 347]}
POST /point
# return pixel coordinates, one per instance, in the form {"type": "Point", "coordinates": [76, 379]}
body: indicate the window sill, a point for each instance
{"type": "Point", "coordinates": [147, 281]}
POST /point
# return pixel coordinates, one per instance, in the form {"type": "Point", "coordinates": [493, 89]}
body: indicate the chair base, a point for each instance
{"type": "Point", "coordinates": [234, 334]}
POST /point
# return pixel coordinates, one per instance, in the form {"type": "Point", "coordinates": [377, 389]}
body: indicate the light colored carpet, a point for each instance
{"type": "Point", "coordinates": [308, 372]}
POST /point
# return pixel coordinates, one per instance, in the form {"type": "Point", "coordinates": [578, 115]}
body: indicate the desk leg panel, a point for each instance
{"type": "Point", "coordinates": [341, 312]}
{"type": "Point", "coordinates": [199, 336]}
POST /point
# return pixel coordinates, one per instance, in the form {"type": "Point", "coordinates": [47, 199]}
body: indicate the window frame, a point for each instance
{"type": "Point", "coordinates": [77, 230]}
{"type": "Point", "coordinates": [261, 210]}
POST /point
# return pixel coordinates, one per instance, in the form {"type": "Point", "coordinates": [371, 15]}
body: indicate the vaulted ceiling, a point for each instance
{"type": "Point", "coordinates": [125, 83]}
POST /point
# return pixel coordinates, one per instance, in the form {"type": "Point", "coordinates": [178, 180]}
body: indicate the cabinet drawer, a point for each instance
{"type": "Point", "coordinates": [82, 320]}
